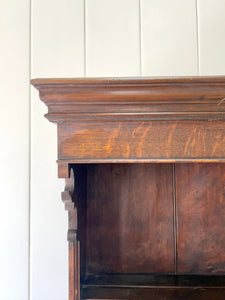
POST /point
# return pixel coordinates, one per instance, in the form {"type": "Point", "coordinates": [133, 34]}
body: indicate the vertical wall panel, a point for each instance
{"type": "Point", "coordinates": [57, 51]}
{"type": "Point", "coordinates": [57, 38]}
{"type": "Point", "coordinates": [211, 16]}
{"type": "Point", "coordinates": [169, 37]}
{"type": "Point", "coordinates": [112, 40]}
{"type": "Point", "coordinates": [14, 136]}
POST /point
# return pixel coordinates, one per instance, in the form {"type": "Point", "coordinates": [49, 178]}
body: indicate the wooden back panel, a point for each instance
{"type": "Point", "coordinates": [155, 218]}
{"type": "Point", "coordinates": [130, 219]}
{"type": "Point", "coordinates": [200, 195]}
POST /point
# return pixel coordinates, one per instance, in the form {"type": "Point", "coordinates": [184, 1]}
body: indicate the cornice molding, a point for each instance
{"type": "Point", "coordinates": [133, 99]}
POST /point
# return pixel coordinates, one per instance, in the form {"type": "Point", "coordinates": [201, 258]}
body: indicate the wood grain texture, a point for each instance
{"type": "Point", "coordinates": [140, 219]}
{"type": "Point", "coordinates": [130, 219]}
{"type": "Point", "coordinates": [200, 194]}
{"type": "Point", "coordinates": [132, 98]}
{"type": "Point", "coordinates": [155, 140]}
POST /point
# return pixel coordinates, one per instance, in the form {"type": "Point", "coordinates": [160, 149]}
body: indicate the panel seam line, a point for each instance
{"type": "Point", "coordinates": [85, 41]}
{"type": "Point", "coordinates": [140, 37]}
{"type": "Point", "coordinates": [29, 157]}
{"type": "Point", "coordinates": [197, 36]}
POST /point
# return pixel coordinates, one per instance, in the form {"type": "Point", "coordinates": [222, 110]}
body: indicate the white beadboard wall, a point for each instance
{"type": "Point", "coordinates": [14, 149]}
{"type": "Point", "coordinates": [169, 38]}
{"type": "Point", "coordinates": [76, 38]}
{"type": "Point", "coordinates": [57, 50]}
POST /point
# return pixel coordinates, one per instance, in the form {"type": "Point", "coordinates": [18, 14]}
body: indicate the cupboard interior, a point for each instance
{"type": "Point", "coordinates": [150, 225]}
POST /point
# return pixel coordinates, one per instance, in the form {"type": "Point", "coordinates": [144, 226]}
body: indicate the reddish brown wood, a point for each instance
{"type": "Point", "coordinates": [200, 193]}
{"type": "Point", "coordinates": [74, 255]}
{"type": "Point", "coordinates": [132, 99]}
{"type": "Point", "coordinates": [130, 219]}
{"type": "Point", "coordinates": [72, 271]}
{"type": "Point", "coordinates": [63, 170]}
{"type": "Point", "coordinates": [142, 141]}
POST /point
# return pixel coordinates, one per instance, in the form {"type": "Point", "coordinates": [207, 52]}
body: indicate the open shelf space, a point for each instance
{"type": "Point", "coordinates": [151, 230]}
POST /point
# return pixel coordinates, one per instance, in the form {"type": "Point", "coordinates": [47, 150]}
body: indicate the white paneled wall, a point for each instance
{"type": "Point", "coordinates": [57, 51]}
{"type": "Point", "coordinates": [14, 149]}
{"type": "Point", "coordinates": [211, 16]}
{"type": "Point", "coordinates": [169, 37]}
{"type": "Point", "coordinates": [74, 38]}
{"type": "Point", "coordinates": [112, 38]}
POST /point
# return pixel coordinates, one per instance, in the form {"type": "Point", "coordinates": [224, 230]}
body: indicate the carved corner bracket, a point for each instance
{"type": "Point", "coordinates": [74, 247]}
{"type": "Point", "coordinates": [67, 197]}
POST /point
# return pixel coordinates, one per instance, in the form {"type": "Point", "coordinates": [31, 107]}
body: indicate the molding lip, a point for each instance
{"type": "Point", "coordinates": [96, 81]}
{"type": "Point", "coordinates": [123, 99]}
{"type": "Point", "coordinates": [166, 116]}
{"type": "Point", "coordinates": [141, 160]}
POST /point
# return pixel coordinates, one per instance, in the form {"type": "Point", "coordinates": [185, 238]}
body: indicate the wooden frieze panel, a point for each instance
{"type": "Point", "coordinates": [142, 141]}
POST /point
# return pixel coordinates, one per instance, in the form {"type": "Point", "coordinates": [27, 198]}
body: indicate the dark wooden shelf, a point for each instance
{"type": "Point", "coordinates": [155, 287]}
{"type": "Point", "coordinates": [152, 281]}
{"type": "Point", "coordinates": [187, 293]}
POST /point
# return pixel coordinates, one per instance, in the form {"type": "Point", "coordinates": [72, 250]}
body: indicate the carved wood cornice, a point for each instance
{"type": "Point", "coordinates": [130, 99]}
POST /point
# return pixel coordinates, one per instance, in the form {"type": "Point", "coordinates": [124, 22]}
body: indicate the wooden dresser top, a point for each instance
{"type": "Point", "coordinates": [137, 119]}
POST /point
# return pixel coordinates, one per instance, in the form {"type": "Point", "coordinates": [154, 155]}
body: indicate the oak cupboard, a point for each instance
{"type": "Point", "coordinates": [143, 160]}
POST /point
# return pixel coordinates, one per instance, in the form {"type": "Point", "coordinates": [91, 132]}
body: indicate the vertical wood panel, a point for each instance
{"type": "Point", "coordinates": [201, 209]}
{"type": "Point", "coordinates": [14, 132]}
{"type": "Point", "coordinates": [57, 51]}
{"type": "Point", "coordinates": [211, 16]}
{"type": "Point", "coordinates": [169, 37]}
{"type": "Point", "coordinates": [130, 219]}
{"type": "Point", "coordinates": [112, 38]}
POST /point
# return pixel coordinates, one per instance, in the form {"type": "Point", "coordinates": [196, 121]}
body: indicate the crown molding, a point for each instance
{"type": "Point", "coordinates": [133, 99]}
